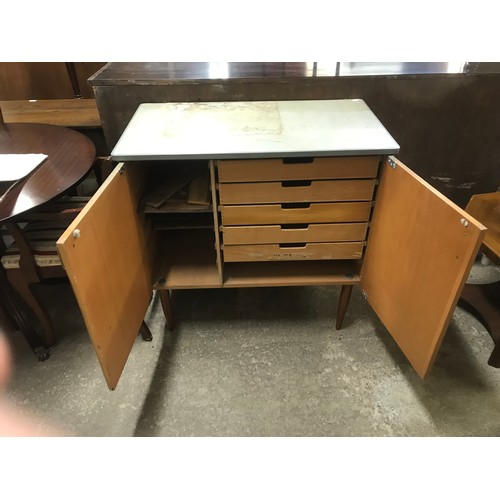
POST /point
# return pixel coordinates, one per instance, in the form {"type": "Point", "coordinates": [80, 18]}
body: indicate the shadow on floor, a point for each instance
{"type": "Point", "coordinates": [458, 385]}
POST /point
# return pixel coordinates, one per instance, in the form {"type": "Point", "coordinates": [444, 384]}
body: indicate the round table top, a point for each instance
{"type": "Point", "coordinates": [70, 157]}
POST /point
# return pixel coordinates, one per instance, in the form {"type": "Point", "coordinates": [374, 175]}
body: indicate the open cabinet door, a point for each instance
{"type": "Point", "coordinates": [420, 250]}
{"type": "Point", "coordinates": [104, 254]}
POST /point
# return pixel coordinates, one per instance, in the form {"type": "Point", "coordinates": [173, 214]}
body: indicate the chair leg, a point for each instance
{"type": "Point", "coordinates": [29, 333]}
{"type": "Point", "coordinates": [345, 296]}
{"type": "Point", "coordinates": [494, 359]}
{"type": "Point", "coordinates": [145, 332]}
{"type": "Point", "coordinates": [7, 318]}
{"type": "Point", "coordinates": [17, 319]}
{"type": "Point", "coordinates": [166, 304]}
{"type": "Point", "coordinates": [21, 285]}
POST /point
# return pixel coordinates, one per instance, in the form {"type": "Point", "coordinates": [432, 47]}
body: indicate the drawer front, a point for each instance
{"type": "Point", "coordinates": [296, 191]}
{"type": "Point", "coordinates": [296, 233]}
{"type": "Point", "coordinates": [309, 251]}
{"type": "Point", "coordinates": [296, 214]}
{"type": "Point", "coordinates": [355, 167]}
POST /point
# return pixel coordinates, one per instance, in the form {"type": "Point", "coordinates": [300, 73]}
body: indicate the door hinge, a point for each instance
{"type": "Point", "coordinates": [364, 295]}
{"type": "Point", "coordinates": [391, 163]}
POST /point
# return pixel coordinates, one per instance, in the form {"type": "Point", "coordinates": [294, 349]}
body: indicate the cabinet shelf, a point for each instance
{"type": "Point", "coordinates": [190, 262]}
{"type": "Point", "coordinates": [177, 206]}
{"type": "Point", "coordinates": [308, 273]}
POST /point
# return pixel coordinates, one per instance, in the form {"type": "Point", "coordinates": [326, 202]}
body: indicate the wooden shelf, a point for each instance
{"type": "Point", "coordinates": [189, 261]}
{"type": "Point", "coordinates": [309, 273]}
{"type": "Point", "coordinates": [177, 206]}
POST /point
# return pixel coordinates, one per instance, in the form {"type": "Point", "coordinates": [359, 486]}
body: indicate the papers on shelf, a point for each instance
{"type": "Point", "coordinates": [16, 166]}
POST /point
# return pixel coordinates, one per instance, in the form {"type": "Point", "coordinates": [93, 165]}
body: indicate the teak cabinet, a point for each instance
{"type": "Point", "coordinates": [299, 193]}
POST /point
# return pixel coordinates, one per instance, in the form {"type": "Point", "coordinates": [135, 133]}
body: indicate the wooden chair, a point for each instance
{"type": "Point", "coordinates": [484, 300]}
{"type": "Point", "coordinates": [13, 317]}
{"type": "Point", "coordinates": [32, 258]}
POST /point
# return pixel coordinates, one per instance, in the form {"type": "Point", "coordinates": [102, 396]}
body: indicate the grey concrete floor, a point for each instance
{"type": "Point", "coordinates": [260, 362]}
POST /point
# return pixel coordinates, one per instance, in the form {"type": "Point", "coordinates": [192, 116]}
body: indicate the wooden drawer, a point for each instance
{"type": "Point", "coordinates": [296, 191]}
{"type": "Point", "coordinates": [354, 167]}
{"type": "Point", "coordinates": [295, 213]}
{"type": "Point", "coordinates": [293, 233]}
{"type": "Point", "coordinates": [309, 251]}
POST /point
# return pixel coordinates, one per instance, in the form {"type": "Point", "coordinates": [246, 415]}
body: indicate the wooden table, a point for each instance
{"type": "Point", "coordinates": [70, 157]}
{"type": "Point", "coordinates": [484, 300]}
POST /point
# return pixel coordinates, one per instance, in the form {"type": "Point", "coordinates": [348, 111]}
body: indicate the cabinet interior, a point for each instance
{"type": "Point", "coordinates": [182, 209]}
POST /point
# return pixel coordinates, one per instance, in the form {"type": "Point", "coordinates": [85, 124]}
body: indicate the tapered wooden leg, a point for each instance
{"type": "Point", "coordinates": [167, 308]}
{"type": "Point", "coordinates": [345, 296]}
{"type": "Point", "coordinates": [145, 332]}
{"type": "Point", "coordinates": [21, 285]}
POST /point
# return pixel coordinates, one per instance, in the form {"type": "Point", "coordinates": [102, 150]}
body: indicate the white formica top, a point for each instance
{"type": "Point", "coordinates": [253, 129]}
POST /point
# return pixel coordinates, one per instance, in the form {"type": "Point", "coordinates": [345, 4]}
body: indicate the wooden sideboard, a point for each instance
{"type": "Point", "coordinates": [299, 193]}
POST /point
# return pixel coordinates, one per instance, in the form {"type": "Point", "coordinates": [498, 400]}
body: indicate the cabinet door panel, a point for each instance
{"type": "Point", "coordinates": [104, 254]}
{"type": "Point", "coordinates": [420, 250]}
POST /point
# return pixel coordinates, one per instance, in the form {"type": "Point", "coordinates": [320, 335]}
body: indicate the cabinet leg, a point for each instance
{"type": "Point", "coordinates": [167, 308]}
{"type": "Point", "coordinates": [145, 332]}
{"type": "Point", "coordinates": [345, 296]}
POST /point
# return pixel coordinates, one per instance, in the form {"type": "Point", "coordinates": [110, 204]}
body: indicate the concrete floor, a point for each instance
{"type": "Point", "coordinates": [261, 362]}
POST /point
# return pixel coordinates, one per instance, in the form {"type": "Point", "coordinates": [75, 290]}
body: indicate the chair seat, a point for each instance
{"type": "Point", "coordinates": [42, 237]}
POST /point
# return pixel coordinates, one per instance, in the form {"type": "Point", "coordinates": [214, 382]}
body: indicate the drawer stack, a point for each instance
{"type": "Point", "coordinates": [276, 210]}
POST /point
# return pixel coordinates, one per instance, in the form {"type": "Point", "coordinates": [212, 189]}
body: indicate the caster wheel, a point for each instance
{"type": "Point", "coordinates": [42, 354]}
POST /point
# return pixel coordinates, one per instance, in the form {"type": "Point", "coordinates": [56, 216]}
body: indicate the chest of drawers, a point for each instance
{"type": "Point", "coordinates": [301, 193]}
{"type": "Point", "coordinates": [315, 210]}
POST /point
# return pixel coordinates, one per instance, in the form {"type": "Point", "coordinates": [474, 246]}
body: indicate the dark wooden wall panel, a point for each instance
{"type": "Point", "coordinates": [448, 126]}
{"type": "Point", "coordinates": [43, 80]}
